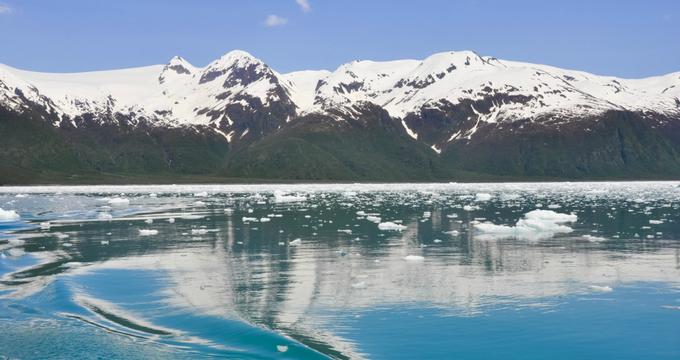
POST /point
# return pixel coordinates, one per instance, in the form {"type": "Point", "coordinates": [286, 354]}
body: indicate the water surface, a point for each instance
{"type": "Point", "coordinates": [305, 271]}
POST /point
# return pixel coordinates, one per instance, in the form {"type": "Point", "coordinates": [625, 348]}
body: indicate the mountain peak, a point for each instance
{"type": "Point", "coordinates": [178, 60]}
{"type": "Point", "coordinates": [238, 57]}
{"type": "Point", "coordinates": [461, 58]}
{"type": "Point", "coordinates": [235, 61]}
{"type": "Point", "coordinates": [177, 66]}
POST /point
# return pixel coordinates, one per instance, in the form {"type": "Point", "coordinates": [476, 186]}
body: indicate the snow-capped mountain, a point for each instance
{"type": "Point", "coordinates": [179, 93]}
{"type": "Point", "coordinates": [444, 101]}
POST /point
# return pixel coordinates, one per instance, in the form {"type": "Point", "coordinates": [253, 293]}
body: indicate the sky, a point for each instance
{"type": "Point", "coordinates": [623, 38]}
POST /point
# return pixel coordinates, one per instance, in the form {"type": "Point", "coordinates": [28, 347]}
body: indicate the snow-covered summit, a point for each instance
{"type": "Point", "coordinates": [178, 93]}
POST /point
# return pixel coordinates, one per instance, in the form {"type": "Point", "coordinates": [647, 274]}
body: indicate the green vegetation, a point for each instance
{"type": "Point", "coordinates": [316, 148]}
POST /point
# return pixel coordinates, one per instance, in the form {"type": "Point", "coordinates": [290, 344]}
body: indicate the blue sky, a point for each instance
{"type": "Point", "coordinates": [622, 38]}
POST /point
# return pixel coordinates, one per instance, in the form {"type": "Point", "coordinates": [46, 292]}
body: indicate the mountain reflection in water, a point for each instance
{"type": "Point", "coordinates": [264, 271]}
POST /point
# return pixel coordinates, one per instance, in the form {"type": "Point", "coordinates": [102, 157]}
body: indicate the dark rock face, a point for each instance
{"type": "Point", "coordinates": [436, 125]}
{"type": "Point", "coordinates": [247, 75]}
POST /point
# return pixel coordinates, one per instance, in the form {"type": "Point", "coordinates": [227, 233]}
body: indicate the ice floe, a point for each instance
{"type": "Point", "coordinates": [282, 197]}
{"type": "Point", "coordinates": [119, 202]}
{"type": "Point", "coordinates": [483, 197]}
{"type": "Point", "coordinates": [8, 215]}
{"type": "Point", "coordinates": [536, 224]}
{"type": "Point", "coordinates": [391, 226]}
{"type": "Point", "coordinates": [600, 288]}
{"type": "Point", "coordinates": [373, 219]}
{"type": "Point", "coordinates": [594, 238]}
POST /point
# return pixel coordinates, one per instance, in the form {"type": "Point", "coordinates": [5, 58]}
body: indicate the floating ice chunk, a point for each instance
{"type": "Point", "coordinates": [594, 238]}
{"type": "Point", "coordinates": [199, 231]}
{"type": "Point", "coordinates": [281, 197]}
{"type": "Point", "coordinates": [247, 219]}
{"type": "Point", "coordinates": [201, 194]}
{"type": "Point", "coordinates": [361, 213]}
{"type": "Point", "coordinates": [391, 226]}
{"type": "Point", "coordinates": [153, 195]}
{"type": "Point", "coordinates": [470, 207]}
{"type": "Point", "coordinates": [45, 225]}
{"type": "Point", "coordinates": [452, 232]}
{"type": "Point", "coordinates": [427, 214]}
{"type": "Point", "coordinates": [414, 258]}
{"type": "Point", "coordinates": [282, 348]}
{"type": "Point", "coordinates": [452, 216]}
{"type": "Point", "coordinates": [199, 203]}
{"type": "Point", "coordinates": [536, 224]}
{"type": "Point", "coordinates": [104, 216]}
{"type": "Point", "coordinates": [483, 197]}
{"type": "Point", "coordinates": [171, 220]}
{"type": "Point", "coordinates": [373, 219]}
{"type": "Point", "coordinates": [346, 231]}
{"type": "Point", "coordinates": [228, 211]}
{"type": "Point", "coordinates": [104, 242]}
{"type": "Point", "coordinates": [549, 215]}
{"type": "Point", "coordinates": [66, 244]}
{"type": "Point", "coordinates": [8, 215]}
{"type": "Point", "coordinates": [119, 202]}
{"type": "Point", "coordinates": [265, 219]}
{"type": "Point", "coordinates": [16, 252]}
{"type": "Point", "coordinates": [656, 222]}
{"type": "Point", "coordinates": [296, 242]}
{"type": "Point", "coordinates": [149, 221]}
{"type": "Point", "coordinates": [436, 241]}
{"type": "Point", "coordinates": [600, 288]}
{"type": "Point", "coordinates": [554, 206]}
{"type": "Point", "coordinates": [62, 236]}
{"type": "Point", "coordinates": [147, 232]}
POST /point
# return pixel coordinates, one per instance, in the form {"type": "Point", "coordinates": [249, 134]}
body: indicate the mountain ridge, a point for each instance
{"type": "Point", "coordinates": [431, 112]}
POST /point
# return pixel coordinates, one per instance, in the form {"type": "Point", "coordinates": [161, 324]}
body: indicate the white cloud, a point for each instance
{"type": "Point", "coordinates": [5, 9]}
{"type": "Point", "coordinates": [275, 20]}
{"type": "Point", "coordinates": [304, 5]}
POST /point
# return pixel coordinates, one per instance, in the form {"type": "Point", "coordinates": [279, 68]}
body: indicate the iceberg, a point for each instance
{"type": "Point", "coordinates": [391, 226]}
{"type": "Point", "coordinates": [536, 224]}
{"type": "Point", "coordinates": [8, 215]}
{"type": "Point", "coordinates": [119, 202]}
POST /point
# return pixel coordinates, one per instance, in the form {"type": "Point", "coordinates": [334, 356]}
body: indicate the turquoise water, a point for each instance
{"type": "Point", "coordinates": [320, 278]}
